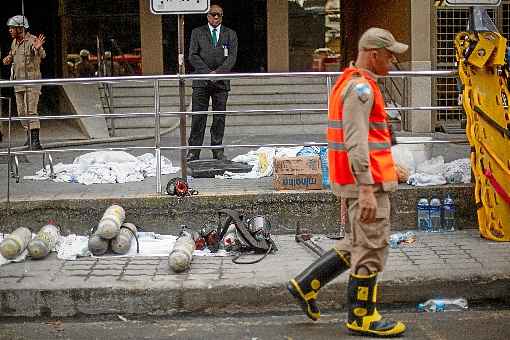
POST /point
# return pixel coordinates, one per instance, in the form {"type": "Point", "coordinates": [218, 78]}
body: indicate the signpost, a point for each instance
{"type": "Point", "coordinates": [465, 3]}
{"type": "Point", "coordinates": [180, 7]}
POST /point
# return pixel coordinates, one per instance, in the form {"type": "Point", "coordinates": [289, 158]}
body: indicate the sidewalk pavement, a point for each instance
{"type": "Point", "coordinates": [457, 264]}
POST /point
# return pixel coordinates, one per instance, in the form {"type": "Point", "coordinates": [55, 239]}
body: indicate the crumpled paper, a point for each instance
{"type": "Point", "coordinates": [261, 161]}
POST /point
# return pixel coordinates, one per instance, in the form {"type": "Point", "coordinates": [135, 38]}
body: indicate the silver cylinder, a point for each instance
{"type": "Point", "coordinates": [98, 245]}
{"type": "Point", "coordinates": [181, 255]}
{"type": "Point", "coordinates": [122, 242]}
{"type": "Point", "coordinates": [44, 242]}
{"type": "Point", "coordinates": [109, 225]}
{"type": "Point", "coordinates": [15, 243]}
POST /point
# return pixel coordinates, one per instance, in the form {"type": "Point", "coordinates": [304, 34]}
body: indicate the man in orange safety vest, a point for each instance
{"type": "Point", "coordinates": [363, 172]}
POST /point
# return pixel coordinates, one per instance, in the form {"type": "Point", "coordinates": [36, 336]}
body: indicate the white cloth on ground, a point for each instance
{"type": "Point", "coordinates": [436, 172]}
{"type": "Point", "coordinates": [150, 244]}
{"type": "Point", "coordinates": [106, 167]}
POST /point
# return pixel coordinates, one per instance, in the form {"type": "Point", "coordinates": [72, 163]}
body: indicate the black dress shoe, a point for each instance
{"type": "Point", "coordinates": [220, 157]}
{"type": "Point", "coordinates": [192, 157]}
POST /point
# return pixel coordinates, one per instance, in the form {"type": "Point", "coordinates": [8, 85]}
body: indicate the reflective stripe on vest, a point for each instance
{"type": "Point", "coordinates": [381, 162]}
{"type": "Point", "coordinates": [338, 124]}
{"type": "Point", "coordinates": [371, 146]}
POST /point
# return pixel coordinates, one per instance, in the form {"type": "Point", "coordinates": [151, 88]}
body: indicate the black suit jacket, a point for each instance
{"type": "Point", "coordinates": [204, 57]}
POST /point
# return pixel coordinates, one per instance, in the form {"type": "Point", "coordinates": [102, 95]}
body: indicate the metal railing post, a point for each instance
{"type": "Point", "coordinates": [182, 94]}
{"type": "Point", "coordinates": [405, 102]}
{"type": "Point", "coordinates": [8, 151]}
{"type": "Point", "coordinates": [157, 135]}
{"type": "Point", "coordinates": [110, 102]}
{"type": "Point", "coordinates": [328, 85]}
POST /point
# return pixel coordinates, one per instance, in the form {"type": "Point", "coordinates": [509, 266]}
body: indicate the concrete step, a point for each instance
{"type": "Point", "coordinates": [233, 82]}
{"type": "Point", "coordinates": [259, 89]}
{"type": "Point", "coordinates": [248, 100]}
{"type": "Point", "coordinates": [140, 286]}
{"type": "Point", "coordinates": [247, 94]}
{"type": "Point", "coordinates": [303, 119]}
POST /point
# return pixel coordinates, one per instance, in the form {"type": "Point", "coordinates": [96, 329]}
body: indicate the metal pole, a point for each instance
{"type": "Point", "coordinates": [328, 84]}
{"type": "Point", "coordinates": [405, 102]}
{"type": "Point", "coordinates": [9, 166]}
{"type": "Point", "coordinates": [112, 107]}
{"type": "Point", "coordinates": [182, 94]}
{"type": "Point", "coordinates": [157, 137]}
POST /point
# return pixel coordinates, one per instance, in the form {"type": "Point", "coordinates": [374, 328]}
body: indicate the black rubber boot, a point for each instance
{"type": "Point", "coordinates": [35, 143]}
{"type": "Point", "coordinates": [306, 285]}
{"type": "Point", "coordinates": [363, 316]}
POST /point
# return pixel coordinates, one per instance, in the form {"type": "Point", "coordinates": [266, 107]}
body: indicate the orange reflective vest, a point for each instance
{"type": "Point", "coordinates": [382, 166]}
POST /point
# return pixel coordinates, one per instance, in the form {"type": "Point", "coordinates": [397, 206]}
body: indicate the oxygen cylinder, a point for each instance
{"type": "Point", "coordinates": [44, 242]}
{"type": "Point", "coordinates": [15, 243]}
{"type": "Point", "coordinates": [180, 257]}
{"type": "Point", "coordinates": [98, 245]}
{"type": "Point", "coordinates": [122, 242]}
{"type": "Point", "coordinates": [109, 225]}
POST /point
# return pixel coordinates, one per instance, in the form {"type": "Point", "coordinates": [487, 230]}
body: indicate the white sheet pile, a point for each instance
{"type": "Point", "coordinates": [101, 167]}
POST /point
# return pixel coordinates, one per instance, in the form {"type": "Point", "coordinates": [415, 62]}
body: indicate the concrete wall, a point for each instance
{"type": "Point", "coordinates": [277, 36]}
{"type": "Point", "coordinates": [420, 89]}
{"type": "Point", "coordinates": [360, 15]}
{"type": "Point", "coordinates": [317, 210]}
{"type": "Point", "coordinates": [410, 22]}
{"type": "Point", "coordinates": [152, 40]}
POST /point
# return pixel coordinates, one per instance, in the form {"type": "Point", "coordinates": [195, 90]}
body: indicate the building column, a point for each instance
{"type": "Point", "coordinates": [420, 89]}
{"type": "Point", "coordinates": [151, 34]}
{"type": "Point", "coordinates": [277, 35]}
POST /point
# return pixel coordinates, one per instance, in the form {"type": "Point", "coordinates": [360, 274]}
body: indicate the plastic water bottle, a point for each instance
{"type": "Point", "coordinates": [448, 214]}
{"type": "Point", "coordinates": [435, 215]}
{"type": "Point", "coordinates": [323, 154]}
{"type": "Point", "coordinates": [397, 238]}
{"type": "Point", "coordinates": [423, 215]}
{"type": "Point", "coordinates": [442, 305]}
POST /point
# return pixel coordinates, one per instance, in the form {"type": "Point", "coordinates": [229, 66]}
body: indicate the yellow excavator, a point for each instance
{"type": "Point", "coordinates": [484, 74]}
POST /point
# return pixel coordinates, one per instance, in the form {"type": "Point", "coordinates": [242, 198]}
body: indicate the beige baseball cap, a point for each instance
{"type": "Point", "coordinates": [374, 38]}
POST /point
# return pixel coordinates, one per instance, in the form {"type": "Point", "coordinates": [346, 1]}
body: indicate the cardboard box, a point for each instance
{"type": "Point", "coordinates": [297, 165]}
{"type": "Point", "coordinates": [297, 182]}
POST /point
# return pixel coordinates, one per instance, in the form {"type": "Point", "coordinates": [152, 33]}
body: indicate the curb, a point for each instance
{"type": "Point", "coordinates": [170, 299]}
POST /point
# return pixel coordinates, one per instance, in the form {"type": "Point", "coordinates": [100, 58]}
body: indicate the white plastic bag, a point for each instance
{"type": "Point", "coordinates": [433, 166]}
{"type": "Point", "coordinates": [458, 171]}
{"type": "Point", "coordinates": [403, 157]}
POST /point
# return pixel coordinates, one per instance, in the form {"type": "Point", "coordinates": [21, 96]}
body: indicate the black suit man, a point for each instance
{"type": "Point", "coordinates": [213, 49]}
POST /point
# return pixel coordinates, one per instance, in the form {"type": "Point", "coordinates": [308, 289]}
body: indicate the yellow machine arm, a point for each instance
{"type": "Point", "coordinates": [484, 75]}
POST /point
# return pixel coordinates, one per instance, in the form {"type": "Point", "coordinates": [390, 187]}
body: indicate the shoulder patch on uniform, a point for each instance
{"type": "Point", "coordinates": [363, 91]}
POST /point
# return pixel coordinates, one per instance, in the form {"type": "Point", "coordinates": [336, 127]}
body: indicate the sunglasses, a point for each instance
{"type": "Point", "coordinates": [215, 14]}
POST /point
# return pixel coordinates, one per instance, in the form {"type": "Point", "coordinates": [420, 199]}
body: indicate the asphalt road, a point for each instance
{"type": "Point", "coordinates": [482, 324]}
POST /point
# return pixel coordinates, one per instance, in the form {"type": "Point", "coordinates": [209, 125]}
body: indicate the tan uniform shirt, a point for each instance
{"type": "Point", "coordinates": [26, 62]}
{"type": "Point", "coordinates": [358, 100]}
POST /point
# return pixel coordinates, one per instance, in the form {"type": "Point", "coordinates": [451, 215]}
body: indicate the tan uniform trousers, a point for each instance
{"type": "Point", "coordinates": [26, 102]}
{"type": "Point", "coordinates": [367, 243]}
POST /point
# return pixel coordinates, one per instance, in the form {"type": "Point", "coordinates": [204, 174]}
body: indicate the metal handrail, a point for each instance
{"type": "Point", "coordinates": [157, 114]}
{"type": "Point", "coordinates": [229, 76]}
{"type": "Point", "coordinates": [212, 147]}
{"type": "Point", "coordinates": [230, 112]}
